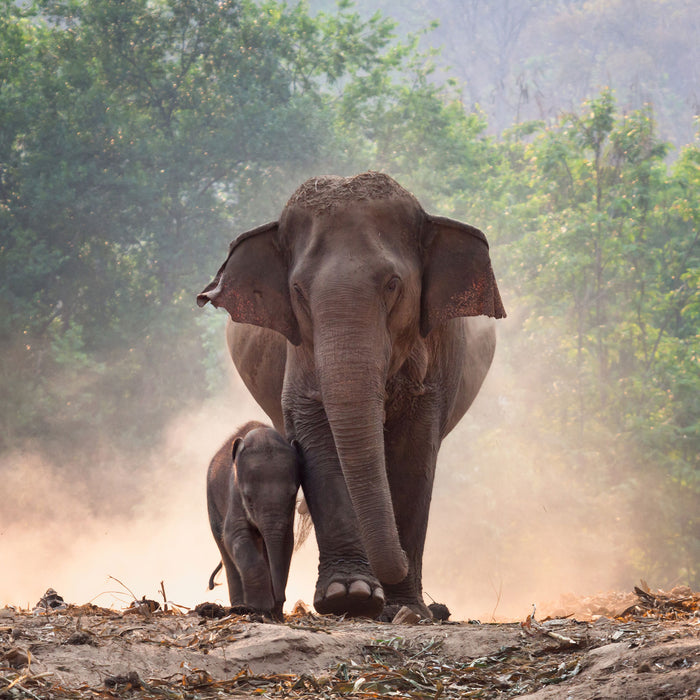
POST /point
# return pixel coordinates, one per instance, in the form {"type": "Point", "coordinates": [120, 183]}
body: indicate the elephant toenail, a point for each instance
{"type": "Point", "coordinates": [360, 589]}
{"type": "Point", "coordinates": [336, 590]}
{"type": "Point", "coordinates": [379, 594]}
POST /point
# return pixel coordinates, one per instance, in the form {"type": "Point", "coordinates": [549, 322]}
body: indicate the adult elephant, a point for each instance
{"type": "Point", "coordinates": [351, 333]}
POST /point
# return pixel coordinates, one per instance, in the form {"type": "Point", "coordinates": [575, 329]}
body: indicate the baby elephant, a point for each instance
{"type": "Point", "coordinates": [252, 485]}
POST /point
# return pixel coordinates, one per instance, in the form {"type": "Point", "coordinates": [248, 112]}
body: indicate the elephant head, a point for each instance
{"type": "Point", "coordinates": [358, 278]}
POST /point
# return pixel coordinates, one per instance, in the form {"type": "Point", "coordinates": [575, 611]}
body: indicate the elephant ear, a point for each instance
{"type": "Point", "coordinates": [458, 279]}
{"type": "Point", "coordinates": [252, 284]}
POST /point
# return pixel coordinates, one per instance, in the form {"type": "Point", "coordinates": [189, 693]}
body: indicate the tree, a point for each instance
{"type": "Point", "coordinates": [607, 264]}
{"type": "Point", "coordinates": [136, 133]}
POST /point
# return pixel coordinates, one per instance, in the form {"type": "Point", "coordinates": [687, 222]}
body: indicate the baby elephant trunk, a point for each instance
{"type": "Point", "coordinates": [279, 545]}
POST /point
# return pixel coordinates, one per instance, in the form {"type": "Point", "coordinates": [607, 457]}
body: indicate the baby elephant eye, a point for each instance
{"type": "Point", "coordinates": [298, 291]}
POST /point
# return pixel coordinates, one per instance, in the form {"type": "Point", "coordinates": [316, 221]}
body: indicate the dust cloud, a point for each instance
{"type": "Point", "coordinates": [512, 523]}
{"type": "Point", "coordinates": [508, 527]}
{"type": "Point", "coordinates": [154, 526]}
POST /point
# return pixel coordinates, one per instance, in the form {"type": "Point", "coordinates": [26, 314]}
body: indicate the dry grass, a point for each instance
{"type": "Point", "coordinates": [321, 194]}
{"type": "Point", "coordinates": [173, 653]}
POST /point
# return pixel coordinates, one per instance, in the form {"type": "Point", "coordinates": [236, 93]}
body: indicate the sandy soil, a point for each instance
{"type": "Point", "coordinates": [86, 652]}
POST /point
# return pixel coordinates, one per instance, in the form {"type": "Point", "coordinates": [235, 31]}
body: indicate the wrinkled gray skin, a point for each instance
{"type": "Point", "coordinates": [252, 484]}
{"type": "Point", "coordinates": [352, 334]}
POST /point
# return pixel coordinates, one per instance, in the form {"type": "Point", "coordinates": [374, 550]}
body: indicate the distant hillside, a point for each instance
{"type": "Point", "coordinates": [533, 60]}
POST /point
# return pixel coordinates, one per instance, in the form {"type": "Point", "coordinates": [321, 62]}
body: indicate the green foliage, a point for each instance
{"type": "Point", "coordinates": [133, 134]}
{"type": "Point", "coordinates": [606, 263]}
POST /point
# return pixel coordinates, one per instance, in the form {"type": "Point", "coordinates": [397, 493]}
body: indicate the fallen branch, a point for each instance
{"type": "Point", "coordinates": [16, 684]}
{"type": "Point", "coordinates": [532, 627]}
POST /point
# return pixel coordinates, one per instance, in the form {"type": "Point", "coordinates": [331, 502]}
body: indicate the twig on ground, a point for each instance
{"type": "Point", "coordinates": [16, 684]}
{"type": "Point", "coordinates": [141, 607]}
{"type": "Point", "coordinates": [532, 627]}
{"type": "Point", "coordinates": [165, 600]}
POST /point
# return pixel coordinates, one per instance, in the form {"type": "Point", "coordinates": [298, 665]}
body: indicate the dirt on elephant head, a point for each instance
{"type": "Point", "coordinates": [322, 194]}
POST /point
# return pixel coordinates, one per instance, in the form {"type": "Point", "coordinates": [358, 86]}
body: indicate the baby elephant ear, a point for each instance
{"type": "Point", "coordinates": [458, 279]}
{"type": "Point", "coordinates": [252, 284]}
{"type": "Point", "coordinates": [236, 448]}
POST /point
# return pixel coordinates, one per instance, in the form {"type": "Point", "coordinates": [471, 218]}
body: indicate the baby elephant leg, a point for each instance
{"type": "Point", "coordinates": [233, 578]}
{"type": "Point", "coordinates": [254, 573]}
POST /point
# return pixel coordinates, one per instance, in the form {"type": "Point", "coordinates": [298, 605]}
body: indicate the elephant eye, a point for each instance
{"type": "Point", "coordinates": [393, 284]}
{"type": "Point", "coordinates": [299, 292]}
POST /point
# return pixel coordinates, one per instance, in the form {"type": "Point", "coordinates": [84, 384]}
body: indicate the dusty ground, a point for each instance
{"type": "Point", "coordinates": [649, 649]}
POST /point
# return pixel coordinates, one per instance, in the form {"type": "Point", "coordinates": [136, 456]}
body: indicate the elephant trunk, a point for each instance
{"type": "Point", "coordinates": [279, 545]}
{"type": "Point", "coordinates": [352, 380]}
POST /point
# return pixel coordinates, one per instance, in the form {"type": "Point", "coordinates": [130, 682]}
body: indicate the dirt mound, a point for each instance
{"type": "Point", "coordinates": [321, 194]}
{"type": "Point", "coordinates": [652, 650]}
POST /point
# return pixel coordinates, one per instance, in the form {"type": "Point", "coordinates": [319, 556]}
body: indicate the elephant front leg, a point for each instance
{"type": "Point", "coordinates": [253, 570]}
{"type": "Point", "coordinates": [411, 453]}
{"type": "Point", "coordinates": [346, 584]}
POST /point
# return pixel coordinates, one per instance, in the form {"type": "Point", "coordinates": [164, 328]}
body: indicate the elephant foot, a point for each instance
{"type": "Point", "coordinates": [257, 614]}
{"type": "Point", "coordinates": [402, 594]}
{"type": "Point", "coordinates": [277, 613]}
{"type": "Point", "coordinates": [391, 609]}
{"type": "Point", "coordinates": [346, 589]}
{"type": "Point", "coordinates": [353, 599]}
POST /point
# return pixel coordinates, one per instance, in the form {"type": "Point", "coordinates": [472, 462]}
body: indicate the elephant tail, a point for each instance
{"type": "Point", "coordinates": [213, 576]}
{"type": "Point", "coordinates": [302, 524]}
